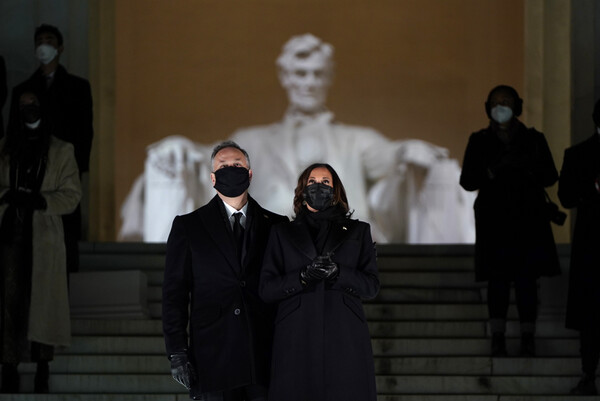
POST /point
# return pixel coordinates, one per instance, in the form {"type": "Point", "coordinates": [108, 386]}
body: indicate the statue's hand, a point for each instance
{"type": "Point", "coordinates": [420, 153]}
{"type": "Point", "coordinates": [172, 155]}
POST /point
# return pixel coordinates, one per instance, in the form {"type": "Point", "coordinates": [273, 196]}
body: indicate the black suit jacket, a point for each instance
{"type": "Point", "coordinates": [66, 109]}
{"type": "Point", "coordinates": [230, 328]}
{"type": "Point", "coordinates": [3, 93]}
{"type": "Point", "coordinates": [576, 189]}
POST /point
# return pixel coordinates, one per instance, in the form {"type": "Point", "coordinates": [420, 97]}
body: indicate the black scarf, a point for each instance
{"type": "Point", "coordinates": [319, 223]}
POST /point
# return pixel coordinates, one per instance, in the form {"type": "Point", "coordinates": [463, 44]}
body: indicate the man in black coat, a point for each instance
{"type": "Point", "coordinates": [579, 187]}
{"type": "Point", "coordinates": [214, 256]}
{"type": "Point", "coordinates": [67, 111]}
{"type": "Point", "coordinates": [3, 93]}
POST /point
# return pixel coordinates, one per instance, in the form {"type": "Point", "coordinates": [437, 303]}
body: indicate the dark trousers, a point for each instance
{"type": "Point", "coordinates": [248, 393]}
{"type": "Point", "coordinates": [590, 350]}
{"type": "Point", "coordinates": [526, 296]}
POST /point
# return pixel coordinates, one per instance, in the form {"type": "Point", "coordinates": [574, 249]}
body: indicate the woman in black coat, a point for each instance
{"type": "Point", "coordinates": [579, 187]}
{"type": "Point", "coordinates": [510, 165]}
{"type": "Point", "coordinates": [317, 268]}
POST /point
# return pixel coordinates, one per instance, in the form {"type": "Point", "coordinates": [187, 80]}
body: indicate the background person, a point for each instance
{"type": "Point", "coordinates": [39, 182]}
{"type": "Point", "coordinates": [67, 101]}
{"type": "Point", "coordinates": [510, 164]}
{"type": "Point", "coordinates": [579, 187]}
{"type": "Point", "coordinates": [3, 93]}
{"type": "Point", "coordinates": [317, 268]}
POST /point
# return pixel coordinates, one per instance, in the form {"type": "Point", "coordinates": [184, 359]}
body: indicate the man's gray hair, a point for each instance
{"type": "Point", "coordinates": [228, 144]}
{"type": "Point", "coordinates": [301, 47]}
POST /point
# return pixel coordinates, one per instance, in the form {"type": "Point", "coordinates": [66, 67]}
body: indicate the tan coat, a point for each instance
{"type": "Point", "coordinates": [49, 316]}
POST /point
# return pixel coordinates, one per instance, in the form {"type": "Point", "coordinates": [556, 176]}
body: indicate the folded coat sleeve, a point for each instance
{"type": "Point", "coordinates": [576, 186]}
{"type": "Point", "coordinates": [62, 196]}
{"type": "Point", "coordinates": [176, 289]}
{"type": "Point", "coordinates": [474, 172]}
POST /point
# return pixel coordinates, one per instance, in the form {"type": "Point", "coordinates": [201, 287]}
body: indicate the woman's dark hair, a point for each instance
{"type": "Point", "coordinates": [512, 92]}
{"type": "Point", "coordinates": [339, 193]}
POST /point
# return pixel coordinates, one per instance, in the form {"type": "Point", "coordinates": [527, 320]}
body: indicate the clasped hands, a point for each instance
{"type": "Point", "coordinates": [24, 199]}
{"type": "Point", "coordinates": [322, 268]}
{"type": "Point", "coordinates": [182, 370]}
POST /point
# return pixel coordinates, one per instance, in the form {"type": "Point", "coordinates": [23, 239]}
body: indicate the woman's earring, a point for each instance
{"type": "Point", "coordinates": [304, 202]}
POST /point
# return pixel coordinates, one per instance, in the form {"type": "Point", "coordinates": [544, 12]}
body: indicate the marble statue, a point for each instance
{"type": "Point", "coordinates": [406, 189]}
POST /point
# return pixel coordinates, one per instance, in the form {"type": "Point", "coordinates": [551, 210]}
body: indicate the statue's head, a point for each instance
{"type": "Point", "coordinates": [306, 72]}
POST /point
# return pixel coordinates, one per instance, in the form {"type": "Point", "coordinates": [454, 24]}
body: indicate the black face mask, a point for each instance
{"type": "Point", "coordinates": [318, 195]}
{"type": "Point", "coordinates": [30, 113]}
{"type": "Point", "coordinates": [232, 181]}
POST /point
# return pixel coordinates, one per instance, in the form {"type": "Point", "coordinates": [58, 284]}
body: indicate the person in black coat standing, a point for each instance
{"type": "Point", "coordinates": [317, 269]}
{"type": "Point", "coordinates": [510, 165]}
{"type": "Point", "coordinates": [213, 262]}
{"type": "Point", "coordinates": [3, 93]}
{"type": "Point", "coordinates": [579, 187]}
{"type": "Point", "coordinates": [67, 101]}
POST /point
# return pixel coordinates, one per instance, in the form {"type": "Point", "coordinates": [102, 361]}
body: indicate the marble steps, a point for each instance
{"type": "Point", "coordinates": [185, 397]}
{"type": "Point", "coordinates": [378, 329]}
{"type": "Point", "coordinates": [154, 345]}
{"type": "Point", "coordinates": [145, 364]}
{"type": "Point", "coordinates": [428, 325]}
{"type": "Point", "coordinates": [386, 384]}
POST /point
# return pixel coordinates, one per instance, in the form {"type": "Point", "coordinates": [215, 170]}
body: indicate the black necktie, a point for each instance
{"type": "Point", "coordinates": [238, 234]}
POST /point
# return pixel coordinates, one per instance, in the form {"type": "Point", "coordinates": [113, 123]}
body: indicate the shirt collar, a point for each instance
{"type": "Point", "coordinates": [230, 210]}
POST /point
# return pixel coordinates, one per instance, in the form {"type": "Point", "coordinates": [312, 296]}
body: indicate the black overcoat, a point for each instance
{"type": "Point", "coordinates": [576, 189]}
{"type": "Point", "coordinates": [66, 108]}
{"type": "Point", "coordinates": [513, 233]}
{"type": "Point", "coordinates": [230, 327]}
{"type": "Point", "coordinates": [321, 348]}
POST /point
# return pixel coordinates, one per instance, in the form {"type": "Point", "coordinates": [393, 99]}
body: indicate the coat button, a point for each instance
{"type": "Point", "coordinates": [242, 284]}
{"type": "Point", "coordinates": [236, 311]}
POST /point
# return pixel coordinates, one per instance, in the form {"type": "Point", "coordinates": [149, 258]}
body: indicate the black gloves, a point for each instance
{"type": "Point", "coordinates": [182, 370]}
{"type": "Point", "coordinates": [321, 268]}
{"type": "Point", "coordinates": [24, 200]}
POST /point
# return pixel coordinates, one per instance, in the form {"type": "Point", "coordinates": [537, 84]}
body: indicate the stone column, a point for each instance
{"type": "Point", "coordinates": [548, 97]}
{"type": "Point", "coordinates": [102, 80]}
{"type": "Point", "coordinates": [548, 87]}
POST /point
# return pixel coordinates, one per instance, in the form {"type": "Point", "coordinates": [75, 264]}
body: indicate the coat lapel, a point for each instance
{"type": "Point", "coordinates": [337, 234]}
{"type": "Point", "coordinates": [300, 238]}
{"type": "Point", "coordinates": [217, 225]}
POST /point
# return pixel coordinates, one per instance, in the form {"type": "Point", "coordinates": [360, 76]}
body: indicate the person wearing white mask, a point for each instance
{"type": "Point", "coordinates": [67, 107]}
{"type": "Point", "coordinates": [510, 164]}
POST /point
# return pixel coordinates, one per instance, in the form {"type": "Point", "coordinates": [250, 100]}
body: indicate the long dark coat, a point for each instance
{"type": "Point", "coordinates": [230, 327]}
{"type": "Point", "coordinates": [321, 347]}
{"type": "Point", "coordinates": [67, 108]}
{"type": "Point", "coordinates": [513, 233]}
{"type": "Point", "coordinates": [576, 189]}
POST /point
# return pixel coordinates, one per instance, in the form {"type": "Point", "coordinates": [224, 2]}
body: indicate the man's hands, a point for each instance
{"type": "Point", "coordinates": [182, 370]}
{"type": "Point", "coordinates": [321, 268]}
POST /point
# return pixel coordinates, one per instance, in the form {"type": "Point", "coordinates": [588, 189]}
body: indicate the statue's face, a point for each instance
{"type": "Point", "coordinates": [307, 82]}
